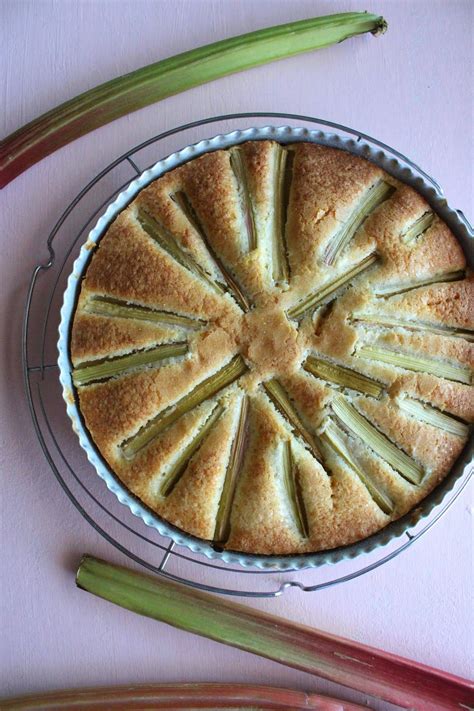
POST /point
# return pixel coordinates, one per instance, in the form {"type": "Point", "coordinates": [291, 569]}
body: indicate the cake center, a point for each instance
{"type": "Point", "coordinates": [270, 341]}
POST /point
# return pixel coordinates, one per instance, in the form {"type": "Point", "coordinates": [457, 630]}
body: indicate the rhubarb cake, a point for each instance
{"type": "Point", "coordinates": [273, 348]}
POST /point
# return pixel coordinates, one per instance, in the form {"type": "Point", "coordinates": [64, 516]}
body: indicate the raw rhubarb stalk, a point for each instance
{"type": "Point", "coordinates": [133, 91]}
{"type": "Point", "coordinates": [206, 697]}
{"type": "Point", "coordinates": [387, 676]}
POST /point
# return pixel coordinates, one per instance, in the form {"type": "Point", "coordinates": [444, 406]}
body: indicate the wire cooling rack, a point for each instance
{"type": "Point", "coordinates": [114, 522]}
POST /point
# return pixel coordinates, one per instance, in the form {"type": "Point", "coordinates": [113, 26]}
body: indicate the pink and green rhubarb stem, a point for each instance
{"type": "Point", "coordinates": [178, 696]}
{"type": "Point", "coordinates": [145, 86]}
{"type": "Point", "coordinates": [386, 676]}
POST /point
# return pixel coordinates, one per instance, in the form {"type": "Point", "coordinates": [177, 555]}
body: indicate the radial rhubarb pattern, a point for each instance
{"type": "Point", "coordinates": [273, 348]}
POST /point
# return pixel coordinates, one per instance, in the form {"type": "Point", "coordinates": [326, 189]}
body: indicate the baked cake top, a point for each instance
{"type": "Point", "coordinates": [273, 347]}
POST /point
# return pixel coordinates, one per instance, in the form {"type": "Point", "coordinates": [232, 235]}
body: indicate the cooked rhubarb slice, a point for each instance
{"type": "Point", "coordinates": [293, 490]}
{"type": "Point", "coordinates": [166, 241]}
{"type": "Point", "coordinates": [403, 287]}
{"type": "Point", "coordinates": [415, 230]}
{"type": "Point", "coordinates": [110, 367]}
{"type": "Point", "coordinates": [433, 416]}
{"type": "Point", "coordinates": [234, 466]}
{"type": "Point", "coordinates": [227, 281]}
{"type": "Point", "coordinates": [345, 377]}
{"type": "Point", "coordinates": [176, 471]}
{"type": "Point", "coordinates": [203, 391]}
{"type": "Point", "coordinates": [374, 197]}
{"type": "Point", "coordinates": [239, 169]}
{"type": "Point", "coordinates": [103, 306]}
{"type": "Point", "coordinates": [280, 399]}
{"type": "Point", "coordinates": [359, 426]}
{"type": "Point", "coordinates": [281, 196]}
{"type": "Point", "coordinates": [421, 364]}
{"type": "Point", "coordinates": [390, 321]}
{"type": "Point", "coordinates": [332, 436]}
{"type": "Point", "coordinates": [310, 302]}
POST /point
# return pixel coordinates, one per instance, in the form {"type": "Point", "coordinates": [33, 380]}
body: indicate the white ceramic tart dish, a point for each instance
{"type": "Point", "coordinates": [266, 347]}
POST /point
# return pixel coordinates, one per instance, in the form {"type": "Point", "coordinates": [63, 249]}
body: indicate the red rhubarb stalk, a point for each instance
{"type": "Point", "coordinates": [387, 676]}
{"type": "Point", "coordinates": [178, 696]}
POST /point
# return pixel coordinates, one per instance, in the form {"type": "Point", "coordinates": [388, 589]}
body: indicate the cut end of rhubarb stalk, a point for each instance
{"type": "Point", "coordinates": [380, 28]}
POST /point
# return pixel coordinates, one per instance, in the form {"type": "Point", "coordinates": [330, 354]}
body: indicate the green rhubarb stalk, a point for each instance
{"type": "Point", "coordinates": [310, 302]}
{"type": "Point", "coordinates": [90, 372]}
{"type": "Point", "coordinates": [359, 426]}
{"type": "Point", "coordinates": [374, 197]}
{"type": "Point", "coordinates": [372, 671]}
{"type": "Point", "coordinates": [281, 196]}
{"type": "Point", "coordinates": [421, 364]}
{"type": "Point", "coordinates": [404, 287]}
{"type": "Point", "coordinates": [280, 399]}
{"type": "Point", "coordinates": [293, 491]}
{"type": "Point", "coordinates": [433, 416]}
{"type": "Point", "coordinates": [167, 242]}
{"type": "Point", "coordinates": [390, 321]}
{"type": "Point", "coordinates": [203, 391]}
{"type": "Point", "coordinates": [418, 228]}
{"type": "Point", "coordinates": [102, 306]}
{"type": "Point", "coordinates": [228, 283]}
{"type": "Point", "coordinates": [332, 436]}
{"type": "Point", "coordinates": [239, 169]}
{"type": "Point", "coordinates": [154, 82]}
{"type": "Point", "coordinates": [345, 377]}
{"type": "Point", "coordinates": [176, 471]}
{"type": "Point", "coordinates": [234, 466]}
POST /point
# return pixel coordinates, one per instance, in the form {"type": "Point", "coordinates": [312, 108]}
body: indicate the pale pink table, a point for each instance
{"type": "Point", "coordinates": [411, 89]}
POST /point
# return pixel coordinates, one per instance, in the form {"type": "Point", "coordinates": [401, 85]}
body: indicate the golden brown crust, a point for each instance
{"type": "Point", "coordinates": [134, 269]}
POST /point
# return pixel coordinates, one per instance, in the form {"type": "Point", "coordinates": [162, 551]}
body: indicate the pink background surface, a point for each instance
{"type": "Point", "coordinates": [410, 89]}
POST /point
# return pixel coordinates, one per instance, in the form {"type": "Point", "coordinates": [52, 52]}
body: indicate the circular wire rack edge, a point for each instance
{"type": "Point", "coordinates": [35, 374]}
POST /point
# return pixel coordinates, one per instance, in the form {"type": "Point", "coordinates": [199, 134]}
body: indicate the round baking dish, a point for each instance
{"type": "Point", "coordinates": [389, 161]}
